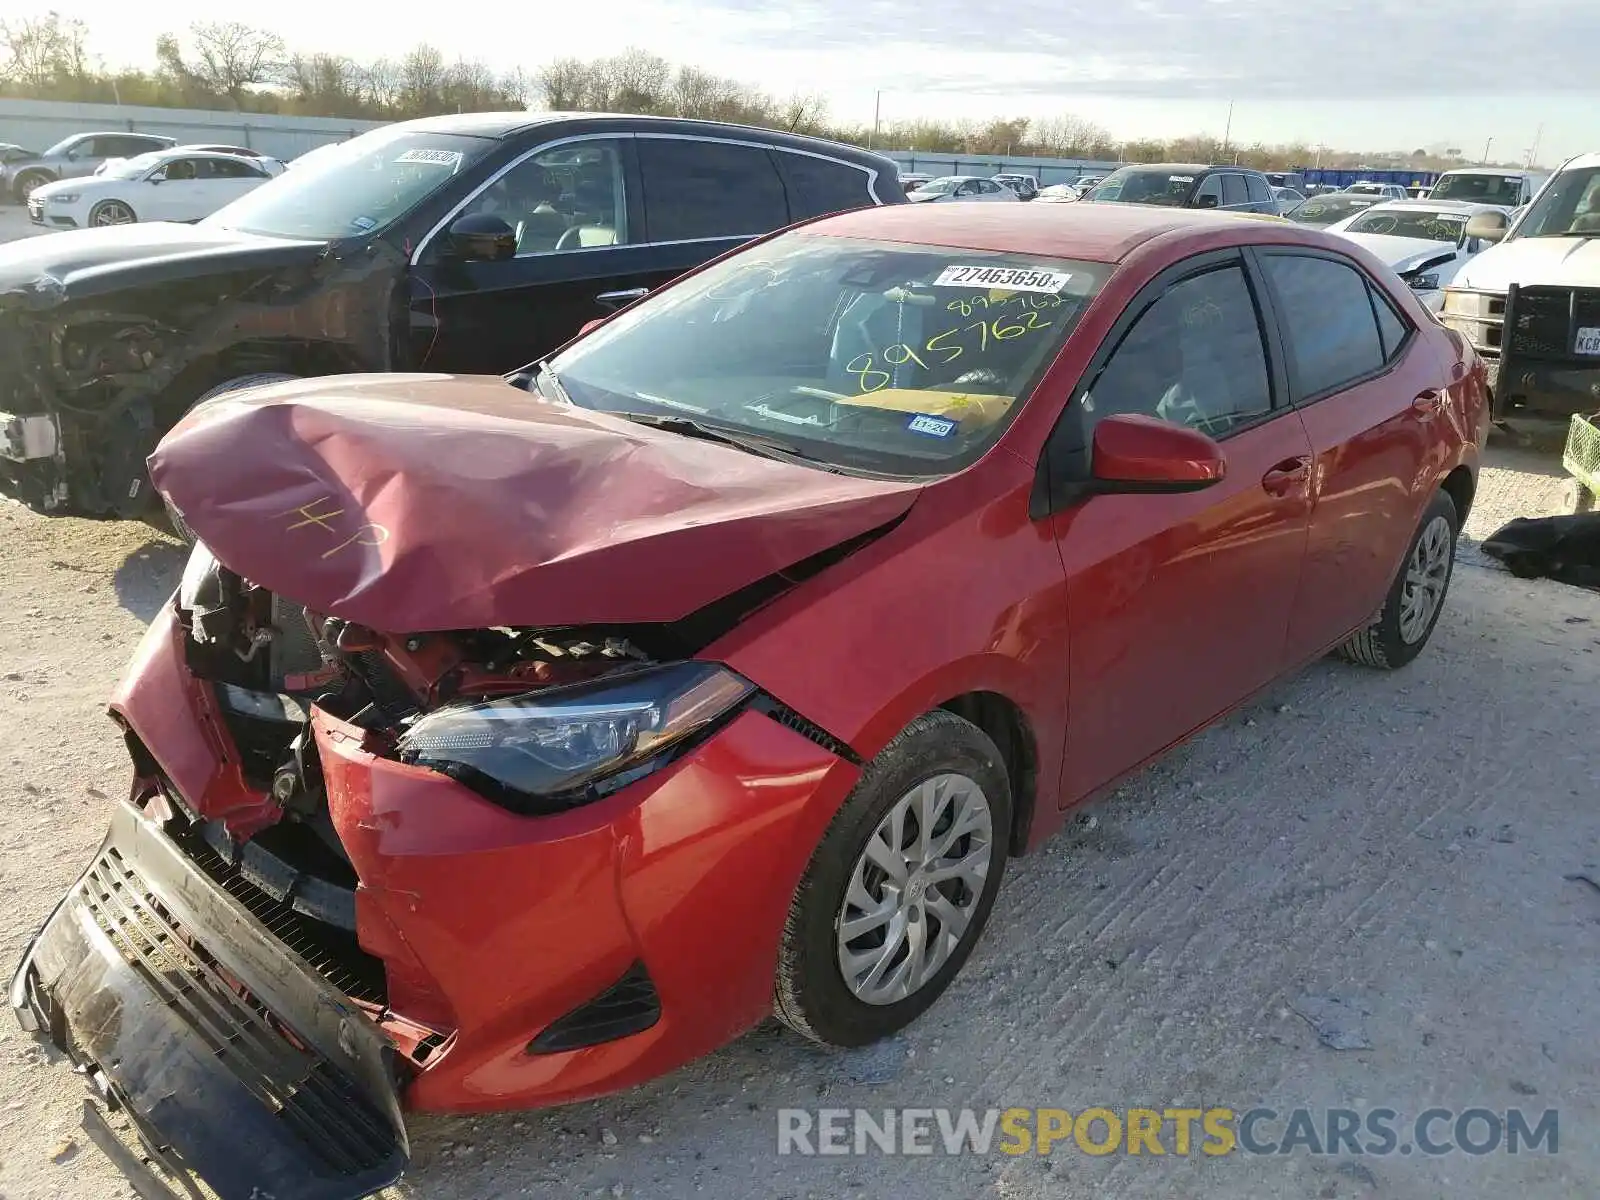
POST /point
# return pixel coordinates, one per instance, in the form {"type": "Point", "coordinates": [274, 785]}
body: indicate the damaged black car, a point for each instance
{"type": "Point", "coordinates": [469, 244]}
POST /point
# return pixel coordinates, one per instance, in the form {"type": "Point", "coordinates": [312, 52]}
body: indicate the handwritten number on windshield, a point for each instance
{"type": "Point", "coordinates": [871, 377]}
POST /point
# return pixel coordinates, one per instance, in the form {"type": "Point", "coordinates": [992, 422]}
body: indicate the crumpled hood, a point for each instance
{"type": "Point", "coordinates": [411, 503]}
{"type": "Point", "coordinates": [1555, 261]}
{"type": "Point", "coordinates": [83, 262]}
{"type": "Point", "coordinates": [1404, 254]}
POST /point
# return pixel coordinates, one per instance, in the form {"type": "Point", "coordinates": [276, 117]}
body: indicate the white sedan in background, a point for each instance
{"type": "Point", "coordinates": [962, 187]}
{"type": "Point", "coordinates": [167, 185]}
{"type": "Point", "coordinates": [1425, 241]}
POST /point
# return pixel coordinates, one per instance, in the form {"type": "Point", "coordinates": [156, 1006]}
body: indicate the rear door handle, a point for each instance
{"type": "Point", "coordinates": [1429, 402]}
{"type": "Point", "coordinates": [626, 296]}
{"type": "Point", "coordinates": [1287, 476]}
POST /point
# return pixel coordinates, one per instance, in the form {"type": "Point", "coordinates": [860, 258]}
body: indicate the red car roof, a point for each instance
{"type": "Point", "coordinates": [1105, 233]}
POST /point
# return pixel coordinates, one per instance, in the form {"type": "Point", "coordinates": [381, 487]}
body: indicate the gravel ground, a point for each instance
{"type": "Point", "coordinates": [1399, 841]}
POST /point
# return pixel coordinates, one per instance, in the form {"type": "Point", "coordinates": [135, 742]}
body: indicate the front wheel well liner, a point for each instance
{"type": "Point", "coordinates": [1006, 725]}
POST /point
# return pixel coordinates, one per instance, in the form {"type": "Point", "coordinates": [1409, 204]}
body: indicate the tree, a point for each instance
{"type": "Point", "coordinates": [230, 56]}
{"type": "Point", "coordinates": [44, 53]}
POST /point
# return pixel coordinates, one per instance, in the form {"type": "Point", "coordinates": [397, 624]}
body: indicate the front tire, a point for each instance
{"type": "Point", "coordinates": [1416, 598]}
{"type": "Point", "coordinates": [899, 889]}
{"type": "Point", "coordinates": [112, 212]}
{"type": "Point", "coordinates": [29, 180]}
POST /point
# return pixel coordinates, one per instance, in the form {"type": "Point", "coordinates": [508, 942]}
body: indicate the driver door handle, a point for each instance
{"type": "Point", "coordinates": [626, 296]}
{"type": "Point", "coordinates": [1287, 476]}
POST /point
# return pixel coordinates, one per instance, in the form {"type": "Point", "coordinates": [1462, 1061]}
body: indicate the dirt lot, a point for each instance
{"type": "Point", "coordinates": [1401, 841]}
{"type": "Point", "coordinates": [14, 223]}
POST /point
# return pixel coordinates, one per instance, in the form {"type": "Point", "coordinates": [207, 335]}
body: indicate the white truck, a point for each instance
{"type": "Point", "coordinates": [1530, 303]}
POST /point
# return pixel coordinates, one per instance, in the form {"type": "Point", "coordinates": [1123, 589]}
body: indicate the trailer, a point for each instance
{"type": "Point", "coordinates": [1343, 177]}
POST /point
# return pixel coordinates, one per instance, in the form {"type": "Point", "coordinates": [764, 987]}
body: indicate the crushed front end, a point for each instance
{"type": "Point", "coordinates": [336, 891]}
{"type": "Point", "coordinates": [80, 400]}
{"type": "Point", "coordinates": [1541, 345]}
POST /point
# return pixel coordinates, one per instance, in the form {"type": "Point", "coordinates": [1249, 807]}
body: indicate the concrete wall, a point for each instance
{"type": "Point", "coordinates": [37, 124]}
{"type": "Point", "coordinates": [1046, 170]}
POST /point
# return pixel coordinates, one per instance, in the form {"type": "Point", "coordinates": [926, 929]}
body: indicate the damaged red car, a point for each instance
{"type": "Point", "coordinates": [511, 741]}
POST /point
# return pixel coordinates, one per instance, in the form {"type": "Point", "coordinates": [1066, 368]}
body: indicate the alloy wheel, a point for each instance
{"type": "Point", "coordinates": [1427, 572]}
{"type": "Point", "coordinates": [112, 212]}
{"type": "Point", "coordinates": [914, 889]}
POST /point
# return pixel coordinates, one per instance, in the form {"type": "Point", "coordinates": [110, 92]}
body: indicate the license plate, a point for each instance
{"type": "Point", "coordinates": [1588, 341]}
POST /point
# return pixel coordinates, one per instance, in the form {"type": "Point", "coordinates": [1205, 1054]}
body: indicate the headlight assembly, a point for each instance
{"type": "Point", "coordinates": [1424, 283]}
{"type": "Point", "coordinates": [547, 751]}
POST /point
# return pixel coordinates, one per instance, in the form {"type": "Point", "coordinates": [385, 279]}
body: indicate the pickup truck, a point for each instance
{"type": "Point", "coordinates": [1530, 304]}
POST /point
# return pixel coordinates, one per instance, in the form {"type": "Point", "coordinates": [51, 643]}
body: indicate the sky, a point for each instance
{"type": "Point", "coordinates": [1349, 74]}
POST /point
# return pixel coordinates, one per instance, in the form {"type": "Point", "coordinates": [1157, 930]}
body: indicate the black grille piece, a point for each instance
{"type": "Point", "coordinates": [787, 717]}
{"type": "Point", "coordinates": [325, 1110]}
{"type": "Point", "coordinates": [1541, 325]}
{"type": "Point", "coordinates": [333, 953]}
{"type": "Point", "coordinates": [630, 1005]}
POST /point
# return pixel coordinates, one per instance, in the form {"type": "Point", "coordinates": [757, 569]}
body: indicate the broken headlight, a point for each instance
{"type": "Point", "coordinates": [549, 750]}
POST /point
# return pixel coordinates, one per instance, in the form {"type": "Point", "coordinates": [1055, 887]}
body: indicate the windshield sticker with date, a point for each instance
{"type": "Point", "coordinates": [1016, 279]}
{"type": "Point", "coordinates": [939, 427]}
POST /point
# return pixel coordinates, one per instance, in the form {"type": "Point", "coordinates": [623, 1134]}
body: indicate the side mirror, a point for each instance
{"type": "Point", "coordinates": [72, 156]}
{"type": "Point", "coordinates": [1135, 453]}
{"type": "Point", "coordinates": [482, 237]}
{"type": "Point", "coordinates": [1207, 201]}
{"type": "Point", "coordinates": [1489, 226]}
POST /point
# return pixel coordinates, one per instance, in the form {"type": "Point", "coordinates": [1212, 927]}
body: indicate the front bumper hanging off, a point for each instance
{"type": "Point", "coordinates": [231, 1057]}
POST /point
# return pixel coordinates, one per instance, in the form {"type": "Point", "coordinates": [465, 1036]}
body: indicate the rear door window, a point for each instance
{"type": "Point", "coordinates": [1233, 191]}
{"type": "Point", "coordinates": [822, 185]}
{"type": "Point", "coordinates": [1256, 185]}
{"type": "Point", "coordinates": [696, 189]}
{"type": "Point", "coordinates": [1328, 319]}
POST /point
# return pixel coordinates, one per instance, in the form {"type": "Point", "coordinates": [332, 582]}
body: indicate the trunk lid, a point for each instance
{"type": "Point", "coordinates": [412, 503]}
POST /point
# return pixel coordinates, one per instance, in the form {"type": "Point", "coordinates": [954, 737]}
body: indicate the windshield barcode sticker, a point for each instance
{"type": "Point", "coordinates": [438, 158]}
{"type": "Point", "coordinates": [1015, 279]}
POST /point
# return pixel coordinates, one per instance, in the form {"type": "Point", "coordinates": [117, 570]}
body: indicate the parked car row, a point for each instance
{"type": "Point", "coordinates": [470, 244]}
{"type": "Point", "coordinates": [515, 739]}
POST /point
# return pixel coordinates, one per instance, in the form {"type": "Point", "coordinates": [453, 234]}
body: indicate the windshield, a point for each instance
{"type": "Point", "coordinates": [884, 357]}
{"type": "Point", "coordinates": [356, 187]}
{"type": "Point", "coordinates": [1481, 188]}
{"type": "Point", "coordinates": [60, 149]}
{"type": "Point", "coordinates": [1569, 206]}
{"type": "Point", "coordinates": [1326, 209]}
{"type": "Point", "coordinates": [939, 186]}
{"type": "Point", "coordinates": [1431, 226]}
{"type": "Point", "coordinates": [1140, 185]}
{"type": "Point", "coordinates": [130, 168]}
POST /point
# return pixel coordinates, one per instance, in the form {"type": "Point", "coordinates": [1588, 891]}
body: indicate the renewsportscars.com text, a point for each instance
{"type": "Point", "coordinates": [1180, 1132]}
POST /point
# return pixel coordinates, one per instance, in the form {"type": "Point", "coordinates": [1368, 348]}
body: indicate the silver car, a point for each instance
{"type": "Point", "coordinates": [75, 156]}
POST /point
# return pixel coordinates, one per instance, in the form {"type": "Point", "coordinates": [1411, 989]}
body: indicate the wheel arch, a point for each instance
{"type": "Point", "coordinates": [1008, 727]}
{"type": "Point", "coordinates": [1461, 486]}
{"type": "Point", "coordinates": [255, 357]}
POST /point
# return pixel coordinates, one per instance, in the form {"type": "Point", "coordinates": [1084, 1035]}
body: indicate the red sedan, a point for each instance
{"type": "Point", "coordinates": [512, 741]}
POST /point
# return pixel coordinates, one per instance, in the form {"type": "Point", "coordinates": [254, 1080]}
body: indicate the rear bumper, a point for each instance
{"type": "Point", "coordinates": [232, 1057]}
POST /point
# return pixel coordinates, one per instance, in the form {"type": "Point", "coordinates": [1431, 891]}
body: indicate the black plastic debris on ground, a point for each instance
{"type": "Point", "coordinates": [1566, 549]}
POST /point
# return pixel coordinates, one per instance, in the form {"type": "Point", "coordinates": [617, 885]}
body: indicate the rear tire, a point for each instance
{"type": "Point", "coordinates": [260, 379]}
{"type": "Point", "coordinates": [1416, 598]}
{"type": "Point", "coordinates": [916, 919]}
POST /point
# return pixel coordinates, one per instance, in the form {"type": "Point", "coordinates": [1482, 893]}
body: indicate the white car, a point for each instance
{"type": "Point", "coordinates": [169, 185]}
{"type": "Point", "coordinates": [962, 187]}
{"type": "Point", "coordinates": [272, 166]}
{"type": "Point", "coordinates": [1387, 191]}
{"type": "Point", "coordinates": [1425, 241]}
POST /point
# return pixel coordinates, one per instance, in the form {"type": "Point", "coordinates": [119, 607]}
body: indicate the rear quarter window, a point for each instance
{"type": "Point", "coordinates": [818, 186]}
